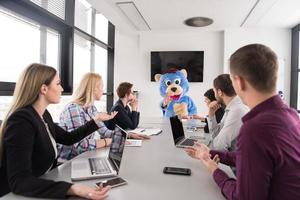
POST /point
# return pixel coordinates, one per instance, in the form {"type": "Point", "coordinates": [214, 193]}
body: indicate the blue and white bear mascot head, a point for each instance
{"type": "Point", "coordinates": [173, 88]}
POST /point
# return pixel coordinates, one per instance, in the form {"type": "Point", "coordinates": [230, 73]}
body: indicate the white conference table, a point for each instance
{"type": "Point", "coordinates": [142, 168]}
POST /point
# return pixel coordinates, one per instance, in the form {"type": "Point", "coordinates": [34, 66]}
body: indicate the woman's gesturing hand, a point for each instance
{"type": "Point", "coordinates": [102, 116]}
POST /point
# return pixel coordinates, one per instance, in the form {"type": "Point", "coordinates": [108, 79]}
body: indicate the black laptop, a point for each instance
{"type": "Point", "coordinates": [178, 134]}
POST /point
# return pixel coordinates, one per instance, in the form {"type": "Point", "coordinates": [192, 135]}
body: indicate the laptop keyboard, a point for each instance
{"type": "Point", "coordinates": [99, 166]}
{"type": "Point", "coordinates": [188, 142]}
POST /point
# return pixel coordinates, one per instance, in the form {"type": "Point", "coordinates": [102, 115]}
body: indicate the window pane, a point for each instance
{"type": "Point", "coordinates": [101, 28]}
{"type": "Point", "coordinates": [101, 64]}
{"type": "Point", "coordinates": [281, 75]}
{"type": "Point", "coordinates": [5, 101]}
{"type": "Point", "coordinates": [56, 7]}
{"type": "Point", "coordinates": [53, 41]}
{"type": "Point", "coordinates": [101, 105]}
{"type": "Point", "coordinates": [298, 94]}
{"type": "Point", "coordinates": [83, 15]}
{"type": "Point", "coordinates": [82, 57]}
{"type": "Point", "coordinates": [299, 53]}
{"type": "Point", "coordinates": [20, 45]}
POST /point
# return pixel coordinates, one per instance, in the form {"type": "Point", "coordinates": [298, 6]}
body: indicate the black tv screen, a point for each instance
{"type": "Point", "coordinates": [192, 61]}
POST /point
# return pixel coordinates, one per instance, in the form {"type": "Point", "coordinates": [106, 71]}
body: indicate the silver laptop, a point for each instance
{"type": "Point", "coordinates": [100, 167]}
{"type": "Point", "coordinates": [178, 134]}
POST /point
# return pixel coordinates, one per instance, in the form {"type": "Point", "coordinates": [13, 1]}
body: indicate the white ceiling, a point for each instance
{"type": "Point", "coordinates": [170, 14]}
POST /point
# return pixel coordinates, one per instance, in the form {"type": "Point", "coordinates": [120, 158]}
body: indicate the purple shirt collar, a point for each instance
{"type": "Point", "coordinates": [271, 103]}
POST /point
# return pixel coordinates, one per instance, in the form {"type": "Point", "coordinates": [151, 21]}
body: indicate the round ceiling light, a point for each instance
{"type": "Point", "coordinates": [198, 21]}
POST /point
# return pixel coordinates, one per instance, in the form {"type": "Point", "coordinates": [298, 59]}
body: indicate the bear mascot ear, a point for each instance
{"type": "Point", "coordinates": [157, 77]}
{"type": "Point", "coordinates": [184, 72]}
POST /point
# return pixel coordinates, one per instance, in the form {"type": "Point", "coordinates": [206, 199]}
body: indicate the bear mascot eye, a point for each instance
{"type": "Point", "coordinates": [177, 81]}
{"type": "Point", "coordinates": [168, 82]}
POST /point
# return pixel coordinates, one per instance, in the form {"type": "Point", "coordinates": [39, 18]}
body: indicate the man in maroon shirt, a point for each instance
{"type": "Point", "coordinates": [267, 158]}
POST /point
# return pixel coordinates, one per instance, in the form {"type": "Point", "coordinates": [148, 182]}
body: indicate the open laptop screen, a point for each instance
{"type": "Point", "coordinates": [177, 129]}
{"type": "Point", "coordinates": [117, 147]}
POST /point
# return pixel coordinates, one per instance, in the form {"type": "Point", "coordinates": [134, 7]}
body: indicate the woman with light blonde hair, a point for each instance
{"type": "Point", "coordinates": [81, 110]}
{"type": "Point", "coordinates": [28, 139]}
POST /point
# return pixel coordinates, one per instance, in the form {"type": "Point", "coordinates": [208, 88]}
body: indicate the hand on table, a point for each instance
{"type": "Point", "coordinates": [79, 190]}
{"type": "Point", "coordinates": [138, 136]}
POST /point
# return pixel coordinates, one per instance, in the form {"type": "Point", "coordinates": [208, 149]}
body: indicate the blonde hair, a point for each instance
{"type": "Point", "coordinates": [27, 91]}
{"type": "Point", "coordinates": [84, 93]}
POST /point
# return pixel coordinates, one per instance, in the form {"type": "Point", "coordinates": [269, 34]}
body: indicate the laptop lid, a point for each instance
{"type": "Point", "coordinates": [117, 147]}
{"type": "Point", "coordinates": [177, 129]}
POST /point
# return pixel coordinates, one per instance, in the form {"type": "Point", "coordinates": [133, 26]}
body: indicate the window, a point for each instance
{"type": "Point", "coordinates": [83, 16]}
{"type": "Point", "coordinates": [298, 94]}
{"type": "Point", "coordinates": [295, 69]}
{"type": "Point", "coordinates": [49, 31]}
{"type": "Point", "coordinates": [101, 63]}
{"type": "Point", "coordinates": [89, 57]}
{"type": "Point", "coordinates": [90, 45]}
{"type": "Point", "coordinates": [26, 36]}
{"type": "Point", "coordinates": [82, 58]}
{"type": "Point", "coordinates": [53, 50]}
{"type": "Point", "coordinates": [56, 7]}
{"type": "Point", "coordinates": [100, 68]}
{"type": "Point", "coordinates": [101, 24]}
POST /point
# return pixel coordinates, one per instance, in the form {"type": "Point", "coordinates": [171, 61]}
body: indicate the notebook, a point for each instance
{"type": "Point", "coordinates": [133, 143]}
{"type": "Point", "coordinates": [146, 131]}
{"type": "Point", "coordinates": [99, 167]}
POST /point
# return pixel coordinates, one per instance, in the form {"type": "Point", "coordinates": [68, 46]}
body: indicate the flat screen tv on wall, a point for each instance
{"type": "Point", "coordinates": [192, 61]}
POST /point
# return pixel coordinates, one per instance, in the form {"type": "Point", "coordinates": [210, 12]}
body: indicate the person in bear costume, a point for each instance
{"type": "Point", "coordinates": [173, 88]}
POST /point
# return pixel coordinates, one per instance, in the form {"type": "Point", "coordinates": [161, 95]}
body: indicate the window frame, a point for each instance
{"type": "Point", "coordinates": [66, 29]}
{"type": "Point", "coordinates": [295, 67]}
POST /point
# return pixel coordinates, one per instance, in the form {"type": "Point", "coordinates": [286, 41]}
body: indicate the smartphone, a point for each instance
{"type": "Point", "coordinates": [114, 182]}
{"type": "Point", "coordinates": [177, 170]}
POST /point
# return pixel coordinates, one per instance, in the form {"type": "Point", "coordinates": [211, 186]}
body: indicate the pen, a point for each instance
{"type": "Point", "coordinates": [143, 130]}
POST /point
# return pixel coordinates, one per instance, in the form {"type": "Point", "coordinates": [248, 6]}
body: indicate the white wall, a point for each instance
{"type": "Point", "coordinates": [132, 63]}
{"type": "Point", "coordinates": [279, 40]}
{"type": "Point", "coordinates": [132, 58]}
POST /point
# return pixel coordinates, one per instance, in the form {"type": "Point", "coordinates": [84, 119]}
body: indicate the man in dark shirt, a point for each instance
{"type": "Point", "coordinates": [126, 118]}
{"type": "Point", "coordinates": [267, 157]}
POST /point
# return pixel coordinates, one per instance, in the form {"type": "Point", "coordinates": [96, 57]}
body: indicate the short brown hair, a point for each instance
{"type": "Point", "coordinates": [223, 83]}
{"type": "Point", "coordinates": [257, 64]}
{"type": "Point", "coordinates": [123, 89]}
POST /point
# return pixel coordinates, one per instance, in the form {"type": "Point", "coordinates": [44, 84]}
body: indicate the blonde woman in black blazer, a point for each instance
{"type": "Point", "coordinates": [28, 139]}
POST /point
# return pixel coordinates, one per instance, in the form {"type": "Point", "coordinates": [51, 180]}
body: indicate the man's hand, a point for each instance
{"type": "Point", "coordinates": [211, 164]}
{"type": "Point", "coordinates": [134, 104]}
{"type": "Point", "coordinates": [198, 151]}
{"type": "Point", "coordinates": [212, 108]}
{"type": "Point", "coordinates": [201, 152]}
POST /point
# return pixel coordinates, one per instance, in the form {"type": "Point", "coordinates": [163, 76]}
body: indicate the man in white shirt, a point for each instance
{"type": "Point", "coordinates": [224, 134]}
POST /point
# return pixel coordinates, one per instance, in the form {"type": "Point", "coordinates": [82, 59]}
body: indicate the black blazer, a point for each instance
{"type": "Point", "coordinates": [125, 118]}
{"type": "Point", "coordinates": [28, 154]}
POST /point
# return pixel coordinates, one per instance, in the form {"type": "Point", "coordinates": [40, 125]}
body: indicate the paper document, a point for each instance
{"type": "Point", "coordinates": [133, 143]}
{"type": "Point", "coordinates": [146, 131]}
